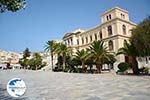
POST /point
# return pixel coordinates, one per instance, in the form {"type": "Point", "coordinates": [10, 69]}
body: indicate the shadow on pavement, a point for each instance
{"type": "Point", "coordinates": [5, 96]}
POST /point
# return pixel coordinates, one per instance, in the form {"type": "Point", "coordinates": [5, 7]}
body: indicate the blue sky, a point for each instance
{"type": "Point", "coordinates": [44, 20]}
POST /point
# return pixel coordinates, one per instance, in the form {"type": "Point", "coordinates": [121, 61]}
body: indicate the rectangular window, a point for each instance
{"type": "Point", "coordinates": [100, 35]}
{"type": "Point", "coordinates": [107, 17]}
{"type": "Point", "coordinates": [71, 42]}
{"type": "Point", "coordinates": [86, 39]}
{"type": "Point", "coordinates": [68, 42]}
{"type": "Point", "coordinates": [77, 41]}
{"type": "Point", "coordinates": [82, 40]}
{"type": "Point", "coordinates": [91, 38]}
{"type": "Point", "coordinates": [95, 36]}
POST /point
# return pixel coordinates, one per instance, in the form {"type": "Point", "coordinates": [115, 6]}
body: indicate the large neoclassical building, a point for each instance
{"type": "Point", "coordinates": [114, 30]}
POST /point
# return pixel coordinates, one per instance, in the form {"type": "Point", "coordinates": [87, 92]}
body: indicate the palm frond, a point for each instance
{"type": "Point", "coordinates": [128, 49]}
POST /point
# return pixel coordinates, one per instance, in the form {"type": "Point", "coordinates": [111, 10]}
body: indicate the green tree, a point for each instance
{"type": "Point", "coordinates": [51, 47]}
{"type": "Point", "coordinates": [35, 62]}
{"type": "Point", "coordinates": [72, 62]}
{"type": "Point", "coordinates": [11, 5]}
{"type": "Point", "coordinates": [98, 52]}
{"type": "Point", "coordinates": [26, 53]}
{"type": "Point", "coordinates": [31, 63]}
{"type": "Point", "coordinates": [24, 61]}
{"type": "Point", "coordinates": [130, 51]}
{"type": "Point", "coordinates": [82, 56]}
{"type": "Point", "coordinates": [110, 59]}
{"type": "Point", "coordinates": [141, 37]}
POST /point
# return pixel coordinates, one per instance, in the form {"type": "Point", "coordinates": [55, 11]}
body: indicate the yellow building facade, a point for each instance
{"type": "Point", "coordinates": [114, 30]}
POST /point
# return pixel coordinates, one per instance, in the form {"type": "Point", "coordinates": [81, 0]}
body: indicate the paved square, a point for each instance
{"type": "Point", "coordinates": [46, 85]}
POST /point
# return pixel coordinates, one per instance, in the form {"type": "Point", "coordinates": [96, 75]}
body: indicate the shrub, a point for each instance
{"type": "Point", "coordinates": [146, 70]}
{"type": "Point", "coordinates": [123, 66]}
{"type": "Point", "coordinates": [57, 69]}
{"type": "Point", "coordinates": [67, 69]}
{"type": "Point", "coordinates": [78, 70]}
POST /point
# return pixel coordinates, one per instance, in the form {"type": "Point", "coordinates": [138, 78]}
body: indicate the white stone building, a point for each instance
{"type": "Point", "coordinates": [9, 57]}
{"type": "Point", "coordinates": [115, 28]}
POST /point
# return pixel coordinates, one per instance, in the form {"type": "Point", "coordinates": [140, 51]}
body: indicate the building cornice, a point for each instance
{"type": "Point", "coordinates": [91, 29]}
{"type": "Point", "coordinates": [108, 11]}
{"type": "Point", "coordinates": [129, 22]}
{"type": "Point", "coordinates": [114, 36]}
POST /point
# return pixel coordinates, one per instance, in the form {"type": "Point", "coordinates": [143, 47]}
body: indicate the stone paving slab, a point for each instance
{"type": "Point", "coordinates": [46, 85]}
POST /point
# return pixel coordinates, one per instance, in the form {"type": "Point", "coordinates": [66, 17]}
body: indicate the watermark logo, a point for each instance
{"type": "Point", "coordinates": [16, 87]}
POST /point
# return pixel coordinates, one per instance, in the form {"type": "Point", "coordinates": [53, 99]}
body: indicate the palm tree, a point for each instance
{"type": "Point", "coordinates": [51, 47]}
{"type": "Point", "coordinates": [63, 50]}
{"type": "Point", "coordinates": [109, 60]}
{"type": "Point", "coordinates": [98, 51]}
{"type": "Point", "coordinates": [82, 55]}
{"type": "Point", "coordinates": [130, 51]}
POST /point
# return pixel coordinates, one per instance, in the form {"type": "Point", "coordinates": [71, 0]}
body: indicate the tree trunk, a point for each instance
{"type": "Point", "coordinates": [83, 67]}
{"type": "Point", "coordinates": [64, 61]}
{"type": "Point", "coordinates": [98, 66]}
{"type": "Point", "coordinates": [52, 60]}
{"type": "Point", "coordinates": [36, 67]}
{"type": "Point", "coordinates": [91, 66]}
{"type": "Point", "coordinates": [59, 61]}
{"type": "Point", "coordinates": [134, 65]}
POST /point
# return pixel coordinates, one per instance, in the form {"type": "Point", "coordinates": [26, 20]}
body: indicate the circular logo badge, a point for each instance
{"type": "Point", "coordinates": [16, 87]}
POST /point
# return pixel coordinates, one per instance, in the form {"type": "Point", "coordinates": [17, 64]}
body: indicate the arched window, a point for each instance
{"type": "Point", "coordinates": [109, 30]}
{"type": "Point", "coordinates": [124, 29]}
{"type": "Point", "coordinates": [109, 16]}
{"type": "Point", "coordinates": [125, 41]}
{"type": "Point", "coordinates": [65, 42]}
{"type": "Point", "coordinates": [123, 16]}
{"type": "Point", "coordinates": [110, 45]}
